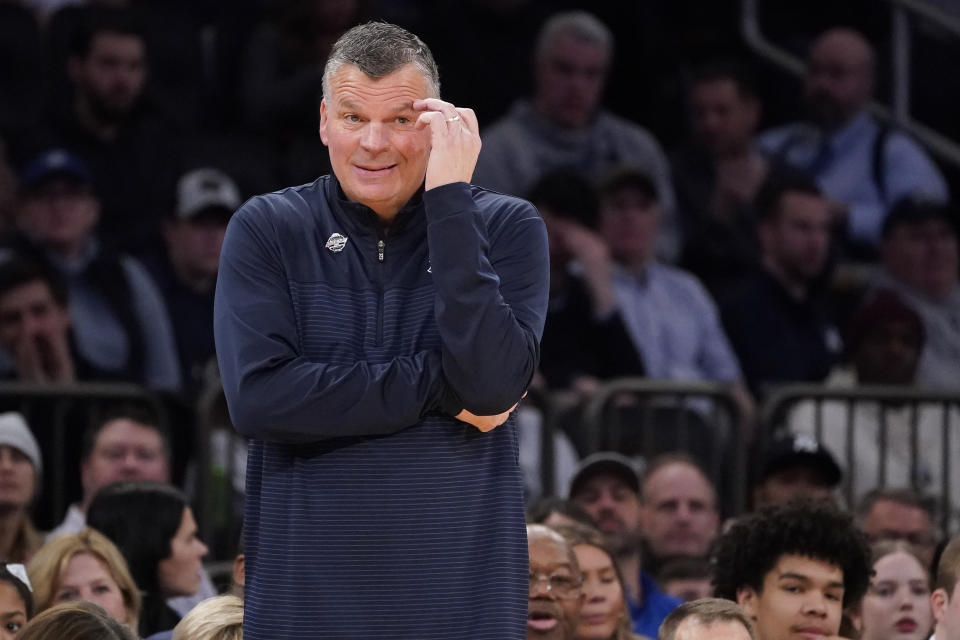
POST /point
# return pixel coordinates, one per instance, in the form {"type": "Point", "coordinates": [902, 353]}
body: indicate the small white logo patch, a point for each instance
{"type": "Point", "coordinates": [336, 243]}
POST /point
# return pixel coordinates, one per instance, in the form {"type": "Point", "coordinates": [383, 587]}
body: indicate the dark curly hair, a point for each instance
{"type": "Point", "coordinates": [743, 555]}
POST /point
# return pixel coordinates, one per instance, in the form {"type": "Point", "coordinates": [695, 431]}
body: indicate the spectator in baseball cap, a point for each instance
{"type": "Point", "coordinates": [795, 467]}
{"type": "Point", "coordinates": [20, 468]}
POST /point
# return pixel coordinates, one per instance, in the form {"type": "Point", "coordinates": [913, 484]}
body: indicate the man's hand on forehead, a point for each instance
{"type": "Point", "coordinates": [454, 141]}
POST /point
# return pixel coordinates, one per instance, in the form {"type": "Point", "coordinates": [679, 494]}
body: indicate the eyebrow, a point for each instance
{"type": "Point", "coordinates": [396, 107]}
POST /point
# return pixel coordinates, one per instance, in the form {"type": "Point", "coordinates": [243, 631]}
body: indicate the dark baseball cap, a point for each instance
{"type": "Point", "coordinates": [54, 162]}
{"type": "Point", "coordinates": [917, 209]}
{"type": "Point", "coordinates": [609, 463]}
{"type": "Point", "coordinates": [794, 450]}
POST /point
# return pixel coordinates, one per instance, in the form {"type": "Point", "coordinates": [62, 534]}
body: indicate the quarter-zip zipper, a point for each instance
{"type": "Point", "coordinates": [381, 251]}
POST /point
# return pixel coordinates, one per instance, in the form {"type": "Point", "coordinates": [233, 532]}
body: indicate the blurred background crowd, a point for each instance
{"type": "Point", "coordinates": [754, 258]}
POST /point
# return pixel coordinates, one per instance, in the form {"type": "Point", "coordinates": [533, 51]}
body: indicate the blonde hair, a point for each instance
{"type": "Point", "coordinates": [217, 618]}
{"type": "Point", "coordinates": [51, 561]}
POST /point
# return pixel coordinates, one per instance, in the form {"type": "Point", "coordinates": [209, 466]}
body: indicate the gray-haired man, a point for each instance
{"type": "Point", "coordinates": [375, 330]}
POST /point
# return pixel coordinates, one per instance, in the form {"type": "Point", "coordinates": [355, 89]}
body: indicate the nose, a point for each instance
{"type": "Point", "coordinates": [374, 137]}
{"type": "Point", "coordinates": [816, 605]}
{"type": "Point", "coordinates": [540, 587]}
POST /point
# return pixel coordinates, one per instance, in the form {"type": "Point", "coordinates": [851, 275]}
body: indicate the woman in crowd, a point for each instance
{"type": "Point", "coordinates": [155, 531]}
{"type": "Point", "coordinates": [20, 468]}
{"type": "Point", "coordinates": [85, 566]}
{"type": "Point", "coordinates": [219, 618]}
{"type": "Point", "coordinates": [897, 605]}
{"type": "Point", "coordinates": [16, 601]}
{"type": "Point", "coordinates": [604, 615]}
{"type": "Point", "coordinates": [75, 621]}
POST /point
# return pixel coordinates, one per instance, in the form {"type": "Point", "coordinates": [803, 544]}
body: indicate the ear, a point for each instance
{"type": "Point", "coordinates": [747, 599]}
{"type": "Point", "coordinates": [239, 570]}
{"type": "Point", "coordinates": [939, 602]}
{"type": "Point", "coordinates": [323, 121]}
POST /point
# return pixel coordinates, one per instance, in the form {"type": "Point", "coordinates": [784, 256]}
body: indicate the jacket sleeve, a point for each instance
{"type": "Point", "coordinates": [276, 394]}
{"type": "Point", "coordinates": [491, 275]}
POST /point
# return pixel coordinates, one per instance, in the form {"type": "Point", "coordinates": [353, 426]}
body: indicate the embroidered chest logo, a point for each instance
{"type": "Point", "coordinates": [336, 243]}
{"type": "Point", "coordinates": [429, 266]}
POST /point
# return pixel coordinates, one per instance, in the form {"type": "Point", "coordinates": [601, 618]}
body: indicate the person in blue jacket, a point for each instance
{"type": "Point", "coordinates": [375, 330]}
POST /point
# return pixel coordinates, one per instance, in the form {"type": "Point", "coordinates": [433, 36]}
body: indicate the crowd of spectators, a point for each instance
{"type": "Point", "coordinates": [693, 237]}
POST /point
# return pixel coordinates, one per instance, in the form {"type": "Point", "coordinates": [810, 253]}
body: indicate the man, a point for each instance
{"type": "Point", "coordinates": [127, 446]}
{"type": "Point", "coordinates": [36, 341]}
{"type": "Point", "coordinates": [792, 569]}
{"type": "Point", "coordinates": [899, 514]}
{"type": "Point", "coordinates": [564, 125]}
{"type": "Point", "coordinates": [795, 467]}
{"type": "Point", "coordinates": [608, 487]}
{"type": "Point", "coordinates": [680, 516]}
{"type": "Point", "coordinates": [893, 444]}
{"type": "Point", "coordinates": [375, 329]}
{"type": "Point", "coordinates": [555, 595]}
{"type": "Point", "coordinates": [779, 325]}
{"type": "Point", "coordinates": [945, 598]}
{"type": "Point", "coordinates": [118, 316]}
{"type": "Point", "coordinates": [716, 176]}
{"type": "Point", "coordinates": [186, 273]}
{"type": "Point", "coordinates": [707, 619]}
{"type": "Point", "coordinates": [668, 314]}
{"type": "Point", "coordinates": [113, 127]}
{"type": "Point", "coordinates": [921, 264]}
{"type": "Point", "coordinates": [861, 165]}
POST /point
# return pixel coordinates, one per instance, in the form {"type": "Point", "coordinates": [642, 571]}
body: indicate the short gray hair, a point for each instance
{"type": "Point", "coordinates": [706, 611]}
{"type": "Point", "coordinates": [378, 49]}
{"type": "Point", "coordinates": [579, 24]}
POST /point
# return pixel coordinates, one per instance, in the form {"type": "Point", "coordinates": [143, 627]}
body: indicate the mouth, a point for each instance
{"type": "Point", "coordinates": [593, 619]}
{"type": "Point", "coordinates": [906, 625]}
{"type": "Point", "coordinates": [542, 621]}
{"type": "Point", "coordinates": [811, 633]}
{"type": "Point", "coordinates": [373, 170]}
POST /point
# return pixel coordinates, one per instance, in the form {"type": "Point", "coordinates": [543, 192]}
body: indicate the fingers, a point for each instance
{"type": "Point", "coordinates": [452, 115]}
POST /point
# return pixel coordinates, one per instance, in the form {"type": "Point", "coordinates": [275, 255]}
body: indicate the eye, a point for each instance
{"type": "Point", "coordinates": [835, 597]}
{"type": "Point", "coordinates": [352, 117]}
{"type": "Point", "coordinates": [403, 120]}
{"type": "Point", "coordinates": [13, 627]}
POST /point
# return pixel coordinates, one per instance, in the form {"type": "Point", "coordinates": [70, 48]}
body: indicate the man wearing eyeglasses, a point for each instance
{"type": "Point", "coordinates": [555, 586]}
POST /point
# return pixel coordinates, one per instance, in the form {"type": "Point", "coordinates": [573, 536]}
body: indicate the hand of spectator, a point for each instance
{"type": "Point", "coordinates": [56, 359]}
{"type": "Point", "coordinates": [29, 363]}
{"type": "Point", "coordinates": [486, 423]}
{"type": "Point", "coordinates": [454, 141]}
{"type": "Point", "coordinates": [593, 254]}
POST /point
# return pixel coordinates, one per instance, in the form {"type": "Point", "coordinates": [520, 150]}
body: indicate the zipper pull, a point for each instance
{"type": "Point", "coordinates": [381, 245]}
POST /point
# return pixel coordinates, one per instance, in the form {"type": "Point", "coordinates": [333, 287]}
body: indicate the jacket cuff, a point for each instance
{"type": "Point", "coordinates": [448, 200]}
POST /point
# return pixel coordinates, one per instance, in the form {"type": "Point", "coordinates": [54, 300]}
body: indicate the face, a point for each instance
{"type": "Point", "coordinates": [179, 573]}
{"type": "Point", "coordinates": [946, 611]}
{"type": "Point", "coordinates": [724, 119]}
{"type": "Point", "coordinates": [603, 604]}
{"type": "Point", "coordinates": [679, 511]}
{"type": "Point", "coordinates": [17, 478]}
{"type": "Point", "coordinates": [60, 213]}
{"type": "Point", "coordinates": [615, 508]}
{"type": "Point", "coordinates": [13, 611]}
{"type": "Point", "coordinates": [924, 256]}
{"type": "Point", "coordinates": [888, 353]}
{"type": "Point", "coordinates": [124, 451]}
{"type": "Point", "coordinates": [792, 483]}
{"type": "Point", "coordinates": [889, 520]}
{"type": "Point", "coordinates": [839, 79]}
{"type": "Point", "coordinates": [797, 237]}
{"type": "Point", "coordinates": [570, 77]}
{"type": "Point", "coordinates": [376, 151]}
{"type": "Point", "coordinates": [29, 312]}
{"type": "Point", "coordinates": [897, 605]}
{"type": "Point", "coordinates": [801, 599]}
{"type": "Point", "coordinates": [628, 222]}
{"type": "Point", "coordinates": [552, 615]}
{"type": "Point", "coordinates": [87, 578]}
{"type": "Point", "coordinates": [112, 76]}
{"type": "Point", "coordinates": [689, 589]}
{"type": "Point", "coordinates": [693, 629]}
{"type": "Point", "coordinates": [194, 245]}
